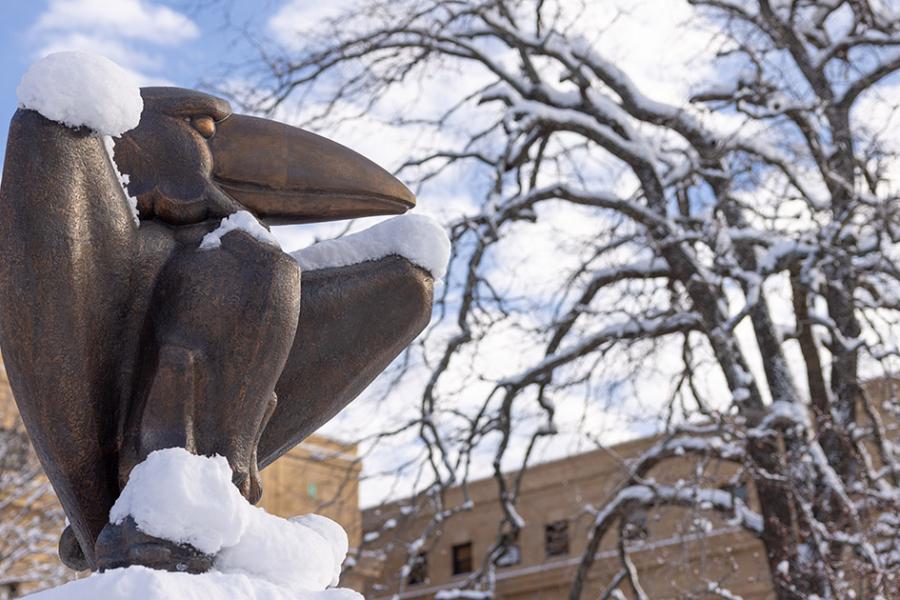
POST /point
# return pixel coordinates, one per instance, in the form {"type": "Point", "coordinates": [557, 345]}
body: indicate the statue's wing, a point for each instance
{"type": "Point", "coordinates": [354, 321]}
{"type": "Point", "coordinates": [66, 241]}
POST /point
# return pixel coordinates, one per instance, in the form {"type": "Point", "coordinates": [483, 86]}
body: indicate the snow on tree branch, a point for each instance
{"type": "Point", "coordinates": [720, 263]}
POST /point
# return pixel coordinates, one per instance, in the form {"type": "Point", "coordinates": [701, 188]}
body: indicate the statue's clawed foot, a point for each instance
{"type": "Point", "coordinates": [70, 552]}
{"type": "Point", "coordinates": [124, 545]}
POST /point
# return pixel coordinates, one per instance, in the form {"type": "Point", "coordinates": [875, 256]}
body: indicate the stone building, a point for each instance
{"type": "Point", "coordinates": [679, 553]}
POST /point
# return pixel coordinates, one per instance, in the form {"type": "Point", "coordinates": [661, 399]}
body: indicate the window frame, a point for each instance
{"type": "Point", "coordinates": [555, 531]}
{"type": "Point", "coordinates": [456, 560]}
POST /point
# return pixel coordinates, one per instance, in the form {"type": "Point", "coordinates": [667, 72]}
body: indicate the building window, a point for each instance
{"type": "Point", "coordinates": [462, 558]}
{"type": "Point", "coordinates": [9, 591]}
{"type": "Point", "coordinates": [512, 556]}
{"type": "Point", "coordinates": [419, 570]}
{"type": "Point", "coordinates": [556, 538]}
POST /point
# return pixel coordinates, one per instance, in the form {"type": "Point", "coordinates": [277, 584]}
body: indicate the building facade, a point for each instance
{"type": "Point", "coordinates": [678, 552]}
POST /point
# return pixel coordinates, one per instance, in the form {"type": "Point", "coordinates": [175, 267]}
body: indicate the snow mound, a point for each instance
{"type": "Point", "coordinates": [300, 555]}
{"type": "Point", "coordinates": [149, 584]}
{"type": "Point", "coordinates": [417, 238]}
{"type": "Point", "coordinates": [186, 498]}
{"type": "Point", "coordinates": [80, 89]}
{"type": "Point", "coordinates": [241, 220]}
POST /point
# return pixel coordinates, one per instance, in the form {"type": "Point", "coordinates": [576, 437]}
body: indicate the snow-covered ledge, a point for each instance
{"type": "Point", "coordinates": [417, 238]}
{"type": "Point", "coordinates": [186, 498]}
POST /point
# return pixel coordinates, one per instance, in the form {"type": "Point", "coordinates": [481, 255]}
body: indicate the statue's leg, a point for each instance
{"type": "Point", "coordinates": [220, 327]}
{"type": "Point", "coordinates": [356, 320]}
{"type": "Point", "coordinates": [151, 252]}
{"type": "Point", "coordinates": [223, 322]}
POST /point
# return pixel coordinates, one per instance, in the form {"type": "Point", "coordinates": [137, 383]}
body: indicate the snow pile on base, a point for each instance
{"type": "Point", "coordinates": [244, 221]}
{"type": "Point", "coordinates": [418, 238]}
{"type": "Point", "coordinates": [303, 554]}
{"type": "Point", "coordinates": [190, 499]}
{"type": "Point", "coordinates": [140, 583]}
{"type": "Point", "coordinates": [80, 89]}
{"type": "Point", "coordinates": [184, 498]}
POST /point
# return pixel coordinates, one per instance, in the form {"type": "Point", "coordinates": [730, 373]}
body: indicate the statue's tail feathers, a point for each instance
{"type": "Point", "coordinates": [66, 238]}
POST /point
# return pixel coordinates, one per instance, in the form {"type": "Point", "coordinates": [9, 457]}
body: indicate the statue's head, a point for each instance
{"type": "Point", "coordinates": [191, 159]}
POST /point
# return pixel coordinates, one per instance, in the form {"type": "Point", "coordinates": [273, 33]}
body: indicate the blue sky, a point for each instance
{"type": "Point", "coordinates": [176, 42]}
{"type": "Point", "coordinates": [14, 56]}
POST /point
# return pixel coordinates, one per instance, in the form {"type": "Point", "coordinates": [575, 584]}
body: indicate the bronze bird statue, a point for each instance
{"type": "Point", "coordinates": [124, 337]}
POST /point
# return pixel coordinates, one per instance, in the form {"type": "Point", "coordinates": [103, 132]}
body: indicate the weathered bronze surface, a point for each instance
{"type": "Point", "coordinates": [120, 340]}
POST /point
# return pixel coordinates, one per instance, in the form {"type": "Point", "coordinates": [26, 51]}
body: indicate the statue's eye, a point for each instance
{"type": "Point", "coordinates": [205, 125]}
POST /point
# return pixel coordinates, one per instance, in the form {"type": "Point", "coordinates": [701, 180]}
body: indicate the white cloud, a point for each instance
{"type": "Point", "coordinates": [297, 16]}
{"type": "Point", "coordinates": [129, 19]}
{"type": "Point", "coordinates": [663, 45]}
{"type": "Point", "coordinates": [129, 32]}
{"type": "Point", "coordinates": [114, 50]}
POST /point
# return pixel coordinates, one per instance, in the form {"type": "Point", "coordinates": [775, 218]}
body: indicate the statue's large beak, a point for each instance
{"type": "Point", "coordinates": [283, 174]}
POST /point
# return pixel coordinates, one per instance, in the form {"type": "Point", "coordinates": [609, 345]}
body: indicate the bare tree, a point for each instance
{"type": "Point", "coordinates": [764, 205]}
{"type": "Point", "coordinates": [31, 519]}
